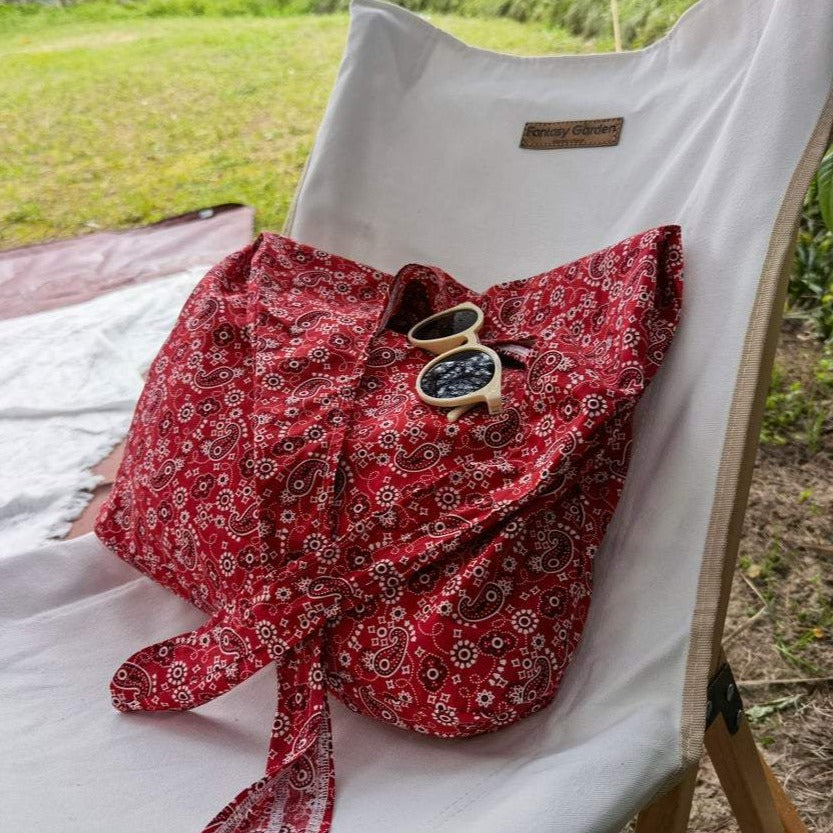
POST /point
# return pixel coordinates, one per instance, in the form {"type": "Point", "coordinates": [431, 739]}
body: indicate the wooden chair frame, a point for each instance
{"type": "Point", "coordinates": [757, 799]}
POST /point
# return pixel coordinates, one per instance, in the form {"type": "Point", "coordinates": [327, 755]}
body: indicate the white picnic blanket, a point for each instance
{"type": "Point", "coordinates": [69, 380]}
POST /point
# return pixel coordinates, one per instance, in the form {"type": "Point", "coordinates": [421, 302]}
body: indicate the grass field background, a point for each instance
{"type": "Point", "coordinates": [108, 124]}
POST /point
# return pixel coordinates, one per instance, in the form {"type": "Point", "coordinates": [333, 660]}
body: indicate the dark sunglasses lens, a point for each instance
{"type": "Point", "coordinates": [458, 375]}
{"type": "Point", "coordinates": [445, 325]}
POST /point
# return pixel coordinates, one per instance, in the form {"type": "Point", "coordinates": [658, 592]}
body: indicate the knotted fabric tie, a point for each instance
{"type": "Point", "coordinates": [285, 622]}
{"type": "Point", "coordinates": [193, 668]}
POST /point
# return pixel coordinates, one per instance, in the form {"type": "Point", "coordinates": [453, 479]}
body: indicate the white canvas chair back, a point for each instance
{"type": "Point", "coordinates": [418, 159]}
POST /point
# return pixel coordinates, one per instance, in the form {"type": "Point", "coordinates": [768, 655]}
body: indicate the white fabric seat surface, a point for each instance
{"type": "Point", "coordinates": [71, 612]}
{"type": "Point", "coordinates": [417, 159]}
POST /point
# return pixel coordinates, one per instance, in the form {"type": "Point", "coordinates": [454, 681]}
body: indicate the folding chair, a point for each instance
{"type": "Point", "coordinates": [725, 120]}
{"type": "Point", "coordinates": [418, 159]}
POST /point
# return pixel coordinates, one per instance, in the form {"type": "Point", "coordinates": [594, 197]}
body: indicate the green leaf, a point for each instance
{"type": "Point", "coordinates": [757, 713]}
{"type": "Point", "coordinates": [825, 186]}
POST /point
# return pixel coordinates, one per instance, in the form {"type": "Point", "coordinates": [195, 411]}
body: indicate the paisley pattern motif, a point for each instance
{"type": "Point", "coordinates": [283, 476]}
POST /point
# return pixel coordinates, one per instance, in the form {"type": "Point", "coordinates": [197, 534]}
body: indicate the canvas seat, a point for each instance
{"type": "Point", "coordinates": [417, 159]}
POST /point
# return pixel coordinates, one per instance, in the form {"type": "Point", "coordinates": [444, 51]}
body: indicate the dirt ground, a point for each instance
{"type": "Point", "coordinates": [784, 579]}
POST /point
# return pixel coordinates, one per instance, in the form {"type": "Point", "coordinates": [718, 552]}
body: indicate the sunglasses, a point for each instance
{"type": "Point", "coordinates": [465, 371]}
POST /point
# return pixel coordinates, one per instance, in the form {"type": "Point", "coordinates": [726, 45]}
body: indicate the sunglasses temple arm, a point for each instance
{"type": "Point", "coordinates": [455, 413]}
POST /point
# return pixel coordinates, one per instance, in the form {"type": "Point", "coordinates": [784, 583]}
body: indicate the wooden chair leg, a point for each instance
{"type": "Point", "coordinates": [742, 774]}
{"type": "Point", "coordinates": [670, 812]}
{"type": "Point", "coordinates": [784, 807]}
{"type": "Point", "coordinates": [758, 800]}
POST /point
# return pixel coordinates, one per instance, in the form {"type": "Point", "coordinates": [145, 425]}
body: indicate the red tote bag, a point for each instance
{"type": "Point", "coordinates": [282, 474]}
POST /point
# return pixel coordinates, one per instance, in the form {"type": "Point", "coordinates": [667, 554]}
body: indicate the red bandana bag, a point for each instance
{"type": "Point", "coordinates": [282, 474]}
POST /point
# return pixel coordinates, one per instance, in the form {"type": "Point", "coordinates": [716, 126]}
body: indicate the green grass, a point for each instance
{"type": "Point", "coordinates": [33, 16]}
{"type": "Point", "coordinates": [116, 123]}
{"type": "Point", "coordinates": [799, 412]}
{"type": "Point", "coordinates": [642, 21]}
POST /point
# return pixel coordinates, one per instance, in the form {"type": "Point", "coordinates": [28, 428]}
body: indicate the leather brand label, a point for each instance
{"type": "Point", "coordinates": [591, 133]}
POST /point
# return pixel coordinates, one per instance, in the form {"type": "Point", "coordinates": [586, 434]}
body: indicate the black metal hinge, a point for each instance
{"type": "Point", "coordinates": [724, 698]}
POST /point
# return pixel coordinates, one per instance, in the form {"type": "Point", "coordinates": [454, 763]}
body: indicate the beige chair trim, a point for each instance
{"type": "Point", "coordinates": [740, 447]}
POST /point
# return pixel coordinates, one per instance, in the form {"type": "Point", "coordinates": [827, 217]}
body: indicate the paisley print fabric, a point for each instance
{"type": "Point", "coordinates": [282, 475]}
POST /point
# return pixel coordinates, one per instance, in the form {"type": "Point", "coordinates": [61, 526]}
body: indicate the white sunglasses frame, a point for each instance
{"type": "Point", "coordinates": [447, 346]}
